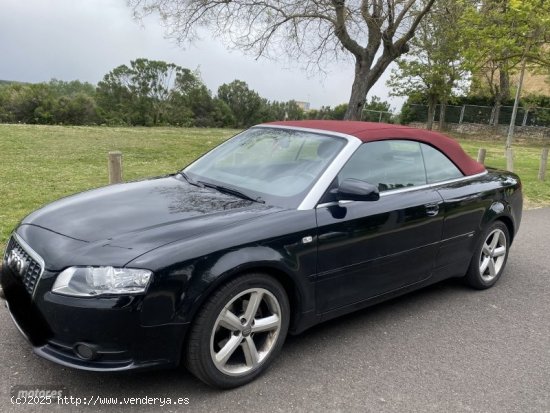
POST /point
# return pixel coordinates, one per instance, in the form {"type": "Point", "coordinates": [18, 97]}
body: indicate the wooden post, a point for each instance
{"type": "Point", "coordinates": [510, 159]}
{"type": "Point", "coordinates": [115, 167]}
{"type": "Point", "coordinates": [481, 155]}
{"type": "Point", "coordinates": [543, 163]}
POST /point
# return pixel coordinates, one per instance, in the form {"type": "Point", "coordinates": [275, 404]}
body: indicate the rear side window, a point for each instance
{"type": "Point", "coordinates": [390, 164]}
{"type": "Point", "coordinates": [438, 166]}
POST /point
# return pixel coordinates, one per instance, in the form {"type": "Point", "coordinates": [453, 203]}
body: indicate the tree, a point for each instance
{"type": "Point", "coordinates": [138, 94]}
{"type": "Point", "coordinates": [498, 34]}
{"type": "Point", "coordinates": [377, 110]}
{"type": "Point", "coordinates": [192, 104]}
{"type": "Point", "coordinates": [78, 109]}
{"type": "Point", "coordinates": [435, 64]}
{"type": "Point", "coordinates": [49, 103]}
{"type": "Point", "coordinates": [283, 111]}
{"type": "Point", "coordinates": [373, 33]}
{"type": "Point", "coordinates": [151, 92]}
{"type": "Point", "coordinates": [339, 111]}
{"type": "Point", "coordinates": [247, 106]}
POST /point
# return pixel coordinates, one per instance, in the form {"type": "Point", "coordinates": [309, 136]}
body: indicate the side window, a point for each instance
{"type": "Point", "coordinates": [390, 164]}
{"type": "Point", "coordinates": [438, 166]}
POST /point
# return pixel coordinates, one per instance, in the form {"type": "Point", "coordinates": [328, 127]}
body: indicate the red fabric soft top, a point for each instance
{"type": "Point", "coordinates": [371, 131]}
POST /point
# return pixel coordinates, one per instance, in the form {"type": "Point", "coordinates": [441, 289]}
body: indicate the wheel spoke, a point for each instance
{"type": "Point", "coordinates": [492, 270]}
{"type": "Point", "coordinates": [227, 351]}
{"type": "Point", "coordinates": [484, 265]}
{"type": "Point", "coordinates": [494, 241]}
{"type": "Point", "coordinates": [266, 324]}
{"type": "Point", "coordinates": [231, 321]}
{"type": "Point", "coordinates": [250, 352]}
{"type": "Point", "coordinates": [486, 250]}
{"type": "Point", "coordinates": [253, 304]}
{"type": "Point", "coordinates": [499, 251]}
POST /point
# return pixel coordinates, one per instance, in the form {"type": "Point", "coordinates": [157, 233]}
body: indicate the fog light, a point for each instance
{"type": "Point", "coordinates": [85, 351]}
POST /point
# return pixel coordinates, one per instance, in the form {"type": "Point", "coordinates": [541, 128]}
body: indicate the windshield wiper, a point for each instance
{"type": "Point", "coordinates": [232, 191]}
{"type": "Point", "coordinates": [191, 180]}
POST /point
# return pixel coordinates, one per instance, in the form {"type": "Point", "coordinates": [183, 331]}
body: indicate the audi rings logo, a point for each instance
{"type": "Point", "coordinates": [17, 262]}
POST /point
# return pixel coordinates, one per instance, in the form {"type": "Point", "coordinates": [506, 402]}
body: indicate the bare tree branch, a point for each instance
{"type": "Point", "coordinates": [311, 31]}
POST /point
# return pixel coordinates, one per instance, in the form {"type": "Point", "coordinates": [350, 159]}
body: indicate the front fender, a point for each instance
{"type": "Point", "coordinates": [263, 259]}
{"type": "Point", "coordinates": [182, 283]}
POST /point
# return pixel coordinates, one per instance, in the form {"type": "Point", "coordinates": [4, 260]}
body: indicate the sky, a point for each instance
{"type": "Point", "coordinates": [83, 40]}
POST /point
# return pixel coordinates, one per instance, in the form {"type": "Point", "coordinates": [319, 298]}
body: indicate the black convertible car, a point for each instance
{"type": "Point", "coordinates": [281, 227]}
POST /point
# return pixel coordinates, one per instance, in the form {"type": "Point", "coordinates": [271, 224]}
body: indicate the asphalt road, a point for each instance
{"type": "Point", "coordinates": [443, 349]}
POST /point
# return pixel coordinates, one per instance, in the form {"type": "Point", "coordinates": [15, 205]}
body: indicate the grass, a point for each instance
{"type": "Point", "coordinates": [39, 164]}
{"type": "Point", "coordinates": [526, 164]}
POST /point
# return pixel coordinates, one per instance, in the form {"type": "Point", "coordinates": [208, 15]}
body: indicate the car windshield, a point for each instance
{"type": "Point", "coordinates": [275, 165]}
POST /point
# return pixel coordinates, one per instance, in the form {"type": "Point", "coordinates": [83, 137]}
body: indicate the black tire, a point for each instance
{"type": "Point", "coordinates": [211, 331]}
{"type": "Point", "coordinates": [475, 277]}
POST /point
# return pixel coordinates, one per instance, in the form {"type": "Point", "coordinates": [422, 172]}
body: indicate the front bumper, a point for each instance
{"type": "Point", "coordinates": [55, 325]}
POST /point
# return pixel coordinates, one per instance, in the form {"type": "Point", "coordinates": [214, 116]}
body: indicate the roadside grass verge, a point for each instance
{"type": "Point", "coordinates": [526, 164]}
{"type": "Point", "coordinates": [39, 164]}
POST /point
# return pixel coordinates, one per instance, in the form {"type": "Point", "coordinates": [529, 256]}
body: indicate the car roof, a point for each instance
{"type": "Point", "coordinates": [374, 131]}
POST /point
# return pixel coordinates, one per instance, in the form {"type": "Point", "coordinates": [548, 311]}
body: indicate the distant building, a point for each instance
{"type": "Point", "coordinates": [303, 105]}
{"type": "Point", "coordinates": [533, 83]}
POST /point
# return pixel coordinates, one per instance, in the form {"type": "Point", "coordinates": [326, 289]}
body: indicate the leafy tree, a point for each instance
{"type": "Point", "coordinates": [222, 115]}
{"type": "Point", "coordinates": [72, 88]}
{"type": "Point", "coordinates": [48, 103]}
{"type": "Point", "coordinates": [78, 109]}
{"type": "Point", "coordinates": [339, 111]}
{"type": "Point", "coordinates": [377, 110]}
{"type": "Point", "coordinates": [115, 97]}
{"type": "Point", "coordinates": [247, 106]}
{"type": "Point", "coordinates": [329, 113]}
{"type": "Point", "coordinates": [150, 92]}
{"type": "Point", "coordinates": [371, 33]}
{"type": "Point", "coordinates": [29, 103]}
{"type": "Point", "coordinates": [498, 34]}
{"type": "Point", "coordinates": [435, 64]}
{"type": "Point", "coordinates": [75, 102]}
{"type": "Point", "coordinates": [139, 94]}
{"type": "Point", "coordinates": [284, 111]}
{"type": "Point", "coordinates": [377, 104]}
{"type": "Point", "coordinates": [191, 102]}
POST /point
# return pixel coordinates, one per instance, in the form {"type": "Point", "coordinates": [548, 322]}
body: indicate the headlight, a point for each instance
{"type": "Point", "coordinates": [94, 281]}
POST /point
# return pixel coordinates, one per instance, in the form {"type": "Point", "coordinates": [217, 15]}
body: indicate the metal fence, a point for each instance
{"type": "Point", "coordinates": [484, 115]}
{"type": "Point", "coordinates": [376, 116]}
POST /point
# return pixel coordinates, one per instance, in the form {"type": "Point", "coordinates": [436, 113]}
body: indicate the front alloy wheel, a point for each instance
{"type": "Point", "coordinates": [245, 332]}
{"type": "Point", "coordinates": [238, 331]}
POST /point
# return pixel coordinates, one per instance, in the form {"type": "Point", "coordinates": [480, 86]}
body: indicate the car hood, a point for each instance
{"type": "Point", "coordinates": [139, 216]}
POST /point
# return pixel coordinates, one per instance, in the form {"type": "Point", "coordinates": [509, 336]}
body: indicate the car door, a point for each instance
{"type": "Point", "coordinates": [464, 204]}
{"type": "Point", "coordinates": [366, 249]}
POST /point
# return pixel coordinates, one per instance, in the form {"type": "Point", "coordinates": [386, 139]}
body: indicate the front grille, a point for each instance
{"type": "Point", "coordinates": [32, 267]}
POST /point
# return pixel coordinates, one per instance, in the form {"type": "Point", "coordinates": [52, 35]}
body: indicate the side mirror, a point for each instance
{"type": "Point", "coordinates": [356, 190]}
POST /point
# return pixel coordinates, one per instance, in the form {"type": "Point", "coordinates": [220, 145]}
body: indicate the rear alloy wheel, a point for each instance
{"type": "Point", "coordinates": [490, 257]}
{"type": "Point", "coordinates": [238, 331]}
